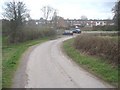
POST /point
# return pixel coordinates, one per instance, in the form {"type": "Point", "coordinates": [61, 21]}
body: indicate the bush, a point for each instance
{"type": "Point", "coordinates": [104, 47]}
{"type": "Point", "coordinates": [25, 33]}
{"type": "Point", "coordinates": [20, 33]}
{"type": "Point", "coordinates": [5, 27]}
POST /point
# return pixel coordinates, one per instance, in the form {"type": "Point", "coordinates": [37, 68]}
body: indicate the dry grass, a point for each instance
{"type": "Point", "coordinates": [30, 33]}
{"type": "Point", "coordinates": [95, 65]}
{"type": "Point", "coordinates": [104, 47]}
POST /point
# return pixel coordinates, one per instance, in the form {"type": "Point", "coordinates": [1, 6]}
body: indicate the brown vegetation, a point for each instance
{"type": "Point", "coordinates": [31, 33]}
{"type": "Point", "coordinates": [104, 47]}
{"type": "Point", "coordinates": [25, 32]}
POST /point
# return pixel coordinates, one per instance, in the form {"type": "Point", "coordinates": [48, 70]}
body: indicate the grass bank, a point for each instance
{"type": "Point", "coordinates": [11, 55]}
{"type": "Point", "coordinates": [95, 65]}
{"type": "Point", "coordinates": [101, 46]}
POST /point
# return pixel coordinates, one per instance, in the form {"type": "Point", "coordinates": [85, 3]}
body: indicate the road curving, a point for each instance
{"type": "Point", "coordinates": [47, 66]}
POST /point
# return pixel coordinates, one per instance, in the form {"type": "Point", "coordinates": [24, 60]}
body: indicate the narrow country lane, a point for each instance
{"type": "Point", "coordinates": [48, 67]}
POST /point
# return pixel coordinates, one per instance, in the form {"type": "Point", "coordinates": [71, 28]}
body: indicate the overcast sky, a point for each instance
{"type": "Point", "coordinates": [72, 9]}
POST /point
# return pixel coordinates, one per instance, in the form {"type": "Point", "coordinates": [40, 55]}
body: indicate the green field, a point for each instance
{"type": "Point", "coordinates": [11, 55]}
{"type": "Point", "coordinates": [95, 65]}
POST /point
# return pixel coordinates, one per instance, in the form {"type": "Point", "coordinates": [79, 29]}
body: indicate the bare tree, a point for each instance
{"type": "Point", "coordinates": [116, 11]}
{"type": "Point", "coordinates": [55, 19]}
{"type": "Point", "coordinates": [84, 17]}
{"type": "Point", "coordinates": [16, 12]}
{"type": "Point", "coordinates": [47, 11]}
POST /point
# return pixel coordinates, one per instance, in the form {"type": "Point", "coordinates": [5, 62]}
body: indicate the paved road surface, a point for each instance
{"type": "Point", "coordinates": [48, 67]}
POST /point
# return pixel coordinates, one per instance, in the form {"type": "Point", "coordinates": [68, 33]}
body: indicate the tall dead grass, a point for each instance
{"type": "Point", "coordinates": [104, 47]}
{"type": "Point", "coordinates": [30, 33]}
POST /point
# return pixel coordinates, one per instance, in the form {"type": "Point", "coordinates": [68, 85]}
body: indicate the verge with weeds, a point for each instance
{"type": "Point", "coordinates": [11, 55]}
{"type": "Point", "coordinates": [97, 66]}
{"type": "Point", "coordinates": [101, 46]}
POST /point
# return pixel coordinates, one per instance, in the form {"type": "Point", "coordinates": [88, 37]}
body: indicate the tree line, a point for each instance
{"type": "Point", "coordinates": [16, 13]}
{"type": "Point", "coordinates": [14, 27]}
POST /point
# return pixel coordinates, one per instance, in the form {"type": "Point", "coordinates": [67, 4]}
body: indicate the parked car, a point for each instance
{"type": "Point", "coordinates": [68, 32]}
{"type": "Point", "coordinates": [76, 30]}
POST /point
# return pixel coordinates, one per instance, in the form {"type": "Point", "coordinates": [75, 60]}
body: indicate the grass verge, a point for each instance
{"type": "Point", "coordinates": [10, 60]}
{"type": "Point", "coordinates": [97, 66]}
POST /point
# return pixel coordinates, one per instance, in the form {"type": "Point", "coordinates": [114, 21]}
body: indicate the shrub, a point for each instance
{"type": "Point", "coordinates": [104, 47]}
{"type": "Point", "coordinates": [25, 33]}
